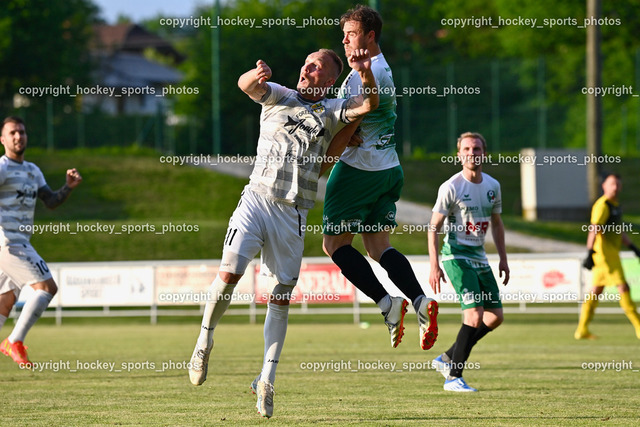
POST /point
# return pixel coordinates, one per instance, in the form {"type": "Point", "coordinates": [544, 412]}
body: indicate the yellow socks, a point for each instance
{"type": "Point", "coordinates": [630, 311]}
{"type": "Point", "coordinates": [586, 314]}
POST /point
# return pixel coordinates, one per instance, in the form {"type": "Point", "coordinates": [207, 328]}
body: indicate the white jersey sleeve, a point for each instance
{"type": "Point", "coordinates": [275, 92]}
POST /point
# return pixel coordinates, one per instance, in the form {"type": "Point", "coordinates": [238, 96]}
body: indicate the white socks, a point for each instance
{"type": "Point", "coordinates": [275, 329]}
{"type": "Point", "coordinates": [31, 312]}
{"type": "Point", "coordinates": [218, 300]}
{"type": "Point", "coordinates": [385, 303]}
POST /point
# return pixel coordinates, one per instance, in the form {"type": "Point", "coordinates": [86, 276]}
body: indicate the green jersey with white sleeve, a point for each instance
{"type": "Point", "coordinates": [378, 149]}
{"type": "Point", "coordinates": [468, 208]}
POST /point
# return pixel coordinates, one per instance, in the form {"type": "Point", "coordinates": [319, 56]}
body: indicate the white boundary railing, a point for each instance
{"type": "Point", "coordinates": [160, 288]}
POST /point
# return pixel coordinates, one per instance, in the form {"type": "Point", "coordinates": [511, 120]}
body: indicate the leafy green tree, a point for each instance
{"type": "Point", "coordinates": [562, 48]}
{"type": "Point", "coordinates": [44, 43]}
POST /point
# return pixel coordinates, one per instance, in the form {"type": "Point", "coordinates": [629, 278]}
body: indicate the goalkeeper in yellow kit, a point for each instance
{"type": "Point", "coordinates": [603, 243]}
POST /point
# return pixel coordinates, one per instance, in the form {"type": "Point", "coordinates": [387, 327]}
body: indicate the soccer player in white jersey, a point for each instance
{"type": "Point", "coordinates": [21, 182]}
{"type": "Point", "coordinates": [296, 128]}
{"type": "Point", "coordinates": [468, 203]}
{"type": "Point", "coordinates": [363, 188]}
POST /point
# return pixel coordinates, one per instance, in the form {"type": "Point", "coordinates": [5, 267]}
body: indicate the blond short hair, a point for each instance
{"type": "Point", "coordinates": [473, 135]}
{"type": "Point", "coordinates": [338, 66]}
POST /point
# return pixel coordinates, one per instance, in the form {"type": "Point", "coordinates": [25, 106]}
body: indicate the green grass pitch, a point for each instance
{"type": "Point", "coordinates": [529, 372]}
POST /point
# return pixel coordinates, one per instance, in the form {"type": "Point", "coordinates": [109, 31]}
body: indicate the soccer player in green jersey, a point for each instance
{"type": "Point", "coordinates": [468, 203]}
{"type": "Point", "coordinates": [364, 187]}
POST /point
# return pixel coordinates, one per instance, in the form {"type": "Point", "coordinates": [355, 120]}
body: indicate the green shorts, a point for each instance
{"type": "Point", "coordinates": [474, 283]}
{"type": "Point", "coordinates": [359, 201]}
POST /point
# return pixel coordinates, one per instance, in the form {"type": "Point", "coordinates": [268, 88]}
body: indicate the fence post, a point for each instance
{"type": "Point", "coordinates": [49, 123]}
{"type": "Point", "coordinates": [406, 114]}
{"type": "Point", "coordinates": [495, 105]}
{"type": "Point", "coordinates": [451, 110]}
{"type": "Point", "coordinates": [542, 108]}
{"type": "Point", "coordinates": [80, 130]}
{"type": "Point", "coordinates": [154, 303]}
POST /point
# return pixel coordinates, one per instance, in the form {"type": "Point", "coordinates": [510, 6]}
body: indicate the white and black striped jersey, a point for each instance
{"type": "Point", "coordinates": [19, 184]}
{"type": "Point", "coordinates": [294, 136]}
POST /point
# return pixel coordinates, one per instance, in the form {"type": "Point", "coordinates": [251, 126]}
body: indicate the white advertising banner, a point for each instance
{"type": "Point", "coordinates": [534, 278]}
{"type": "Point", "coordinates": [106, 286]}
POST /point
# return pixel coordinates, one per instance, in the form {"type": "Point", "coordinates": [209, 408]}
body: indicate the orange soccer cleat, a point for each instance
{"type": "Point", "coordinates": [17, 351]}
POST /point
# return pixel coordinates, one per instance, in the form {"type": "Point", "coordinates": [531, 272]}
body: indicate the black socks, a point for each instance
{"type": "Point", "coordinates": [357, 269]}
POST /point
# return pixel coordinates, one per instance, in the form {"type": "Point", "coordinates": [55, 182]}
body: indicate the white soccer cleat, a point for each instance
{"type": "Point", "coordinates": [199, 365]}
{"type": "Point", "coordinates": [265, 393]}
{"type": "Point", "coordinates": [459, 385]}
{"type": "Point", "coordinates": [428, 321]}
{"type": "Point", "coordinates": [254, 385]}
{"type": "Point", "coordinates": [394, 319]}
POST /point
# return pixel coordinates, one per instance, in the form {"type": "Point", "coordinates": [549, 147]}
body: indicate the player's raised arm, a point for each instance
{"type": "Point", "coordinates": [53, 199]}
{"type": "Point", "coordinates": [344, 138]}
{"type": "Point", "coordinates": [253, 82]}
{"type": "Point", "coordinates": [497, 231]}
{"type": "Point", "coordinates": [361, 104]}
{"type": "Point", "coordinates": [435, 274]}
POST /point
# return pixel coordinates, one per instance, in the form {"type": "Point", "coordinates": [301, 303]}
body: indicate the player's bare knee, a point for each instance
{"type": "Point", "coordinates": [52, 289]}
{"type": "Point", "coordinates": [330, 244]}
{"type": "Point", "coordinates": [493, 318]}
{"type": "Point", "coordinates": [473, 317]}
{"type": "Point", "coordinates": [276, 301]}
{"type": "Point", "coordinates": [623, 288]}
{"type": "Point", "coordinates": [327, 250]}
{"type": "Point", "coordinates": [281, 294]}
{"type": "Point", "coordinates": [48, 285]}
{"type": "Point", "coordinates": [232, 267]}
{"type": "Point", "coordinates": [373, 253]}
{"type": "Point", "coordinates": [7, 300]}
{"type": "Point", "coordinates": [497, 321]}
{"type": "Point", "coordinates": [376, 244]}
{"type": "Point", "coordinates": [229, 278]}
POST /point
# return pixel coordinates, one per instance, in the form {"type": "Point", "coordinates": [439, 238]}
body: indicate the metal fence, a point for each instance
{"type": "Point", "coordinates": [540, 283]}
{"type": "Point", "coordinates": [506, 100]}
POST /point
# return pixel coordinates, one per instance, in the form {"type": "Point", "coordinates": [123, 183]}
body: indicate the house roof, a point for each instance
{"type": "Point", "coordinates": [129, 69]}
{"type": "Point", "coordinates": [131, 38]}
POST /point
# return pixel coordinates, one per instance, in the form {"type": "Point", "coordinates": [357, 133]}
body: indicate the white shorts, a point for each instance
{"type": "Point", "coordinates": [262, 225]}
{"type": "Point", "coordinates": [20, 266]}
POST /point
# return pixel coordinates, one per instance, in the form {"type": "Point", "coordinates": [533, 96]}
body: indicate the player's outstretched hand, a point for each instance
{"type": "Point", "coordinates": [360, 60]}
{"type": "Point", "coordinates": [263, 72]}
{"type": "Point", "coordinates": [73, 178]}
{"type": "Point", "coordinates": [503, 268]}
{"type": "Point", "coordinates": [588, 261]}
{"type": "Point", "coordinates": [435, 276]}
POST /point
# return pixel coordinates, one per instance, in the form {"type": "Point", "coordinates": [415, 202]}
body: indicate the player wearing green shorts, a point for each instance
{"type": "Point", "coordinates": [468, 203]}
{"type": "Point", "coordinates": [364, 187]}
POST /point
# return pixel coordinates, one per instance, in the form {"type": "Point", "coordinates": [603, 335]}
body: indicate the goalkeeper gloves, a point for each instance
{"type": "Point", "coordinates": [588, 261]}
